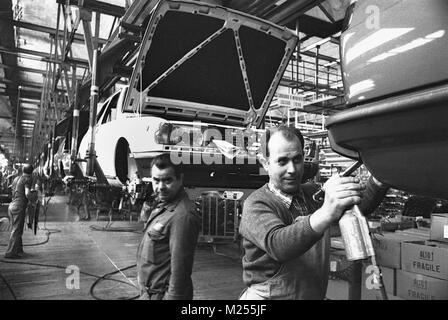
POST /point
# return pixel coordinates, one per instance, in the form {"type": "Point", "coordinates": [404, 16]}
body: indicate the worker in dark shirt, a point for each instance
{"type": "Point", "coordinates": [21, 193]}
{"type": "Point", "coordinates": [166, 252]}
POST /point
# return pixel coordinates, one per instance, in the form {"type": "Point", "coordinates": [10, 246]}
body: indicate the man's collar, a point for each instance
{"type": "Point", "coordinates": [284, 197]}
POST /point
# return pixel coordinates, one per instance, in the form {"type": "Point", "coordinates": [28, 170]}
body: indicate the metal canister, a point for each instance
{"type": "Point", "coordinates": [352, 237]}
{"type": "Point", "coordinates": [364, 226]}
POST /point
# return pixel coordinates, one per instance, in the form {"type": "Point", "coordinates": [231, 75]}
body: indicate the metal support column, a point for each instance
{"type": "Point", "coordinates": [50, 152]}
{"type": "Point", "coordinates": [316, 79]}
{"type": "Point", "coordinates": [75, 129]}
{"type": "Point", "coordinates": [298, 58]}
{"type": "Point", "coordinates": [91, 156]}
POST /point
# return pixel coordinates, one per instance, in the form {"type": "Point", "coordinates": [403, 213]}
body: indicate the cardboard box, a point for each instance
{"type": "Point", "coordinates": [421, 232]}
{"type": "Point", "coordinates": [439, 227]}
{"type": "Point", "coordinates": [388, 247]}
{"type": "Point", "coordinates": [369, 289]}
{"type": "Point", "coordinates": [425, 257]}
{"type": "Point", "coordinates": [414, 286]}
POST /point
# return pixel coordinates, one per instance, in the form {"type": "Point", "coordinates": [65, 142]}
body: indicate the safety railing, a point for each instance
{"type": "Point", "coordinates": [220, 217]}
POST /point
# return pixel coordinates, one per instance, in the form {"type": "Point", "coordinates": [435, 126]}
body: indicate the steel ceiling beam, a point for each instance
{"type": "Point", "coordinates": [24, 93]}
{"type": "Point", "coordinates": [31, 70]}
{"type": "Point", "coordinates": [290, 10]}
{"type": "Point", "coordinates": [44, 56]}
{"type": "Point", "coordinates": [20, 68]}
{"type": "Point", "coordinates": [25, 84]}
{"type": "Point", "coordinates": [51, 31]}
{"type": "Point", "coordinates": [97, 6]}
{"type": "Point", "coordinates": [318, 28]}
{"type": "Point", "coordinates": [259, 6]}
{"type": "Point", "coordinates": [320, 56]}
{"type": "Point", "coordinates": [306, 86]}
{"type": "Point", "coordinates": [326, 13]}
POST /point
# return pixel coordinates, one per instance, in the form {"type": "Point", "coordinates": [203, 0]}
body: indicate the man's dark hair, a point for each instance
{"type": "Point", "coordinates": [287, 132]}
{"type": "Point", "coordinates": [163, 161]}
{"type": "Point", "coordinates": [27, 168]}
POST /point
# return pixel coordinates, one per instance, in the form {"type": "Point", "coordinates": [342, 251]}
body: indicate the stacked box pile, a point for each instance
{"type": "Point", "coordinates": [388, 249]}
{"type": "Point", "coordinates": [424, 264]}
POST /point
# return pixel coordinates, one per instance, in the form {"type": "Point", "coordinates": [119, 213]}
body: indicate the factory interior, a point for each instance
{"type": "Point", "coordinates": [92, 90]}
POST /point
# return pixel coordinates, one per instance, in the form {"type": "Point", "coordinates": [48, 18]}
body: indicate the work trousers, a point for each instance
{"type": "Point", "coordinates": [17, 221]}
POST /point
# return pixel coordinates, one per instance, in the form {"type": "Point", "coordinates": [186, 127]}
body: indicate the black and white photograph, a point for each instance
{"type": "Point", "coordinates": [219, 151]}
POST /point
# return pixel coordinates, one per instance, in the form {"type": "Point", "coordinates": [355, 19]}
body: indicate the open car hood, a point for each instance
{"type": "Point", "coordinates": [205, 62]}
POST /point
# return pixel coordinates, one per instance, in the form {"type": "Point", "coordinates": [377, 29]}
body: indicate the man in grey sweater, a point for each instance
{"type": "Point", "coordinates": [286, 233]}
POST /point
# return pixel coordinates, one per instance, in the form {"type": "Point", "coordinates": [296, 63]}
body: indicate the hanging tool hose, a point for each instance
{"type": "Point", "coordinates": [99, 278]}
{"type": "Point", "coordinates": [356, 234]}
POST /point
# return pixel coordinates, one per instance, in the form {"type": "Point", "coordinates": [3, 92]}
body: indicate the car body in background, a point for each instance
{"type": "Point", "coordinates": [201, 85]}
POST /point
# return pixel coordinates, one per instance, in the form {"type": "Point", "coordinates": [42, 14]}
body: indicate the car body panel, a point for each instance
{"type": "Point", "coordinates": [206, 162]}
{"type": "Point", "coordinates": [393, 46]}
{"type": "Point", "coordinates": [398, 127]}
{"type": "Point", "coordinates": [203, 68]}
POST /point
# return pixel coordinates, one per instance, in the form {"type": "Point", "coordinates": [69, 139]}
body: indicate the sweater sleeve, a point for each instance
{"type": "Point", "coordinates": [372, 197]}
{"type": "Point", "coordinates": [183, 239]}
{"type": "Point", "coordinates": [261, 225]}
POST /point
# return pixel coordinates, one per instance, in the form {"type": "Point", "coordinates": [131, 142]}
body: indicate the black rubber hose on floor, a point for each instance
{"type": "Point", "coordinates": [104, 277]}
{"type": "Point", "coordinates": [99, 278]}
{"type": "Point", "coordinates": [108, 228]}
{"type": "Point", "coordinates": [48, 233]}
{"type": "Point", "coordinates": [9, 287]}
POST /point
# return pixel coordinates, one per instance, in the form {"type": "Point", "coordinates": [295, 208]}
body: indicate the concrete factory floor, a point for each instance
{"type": "Point", "coordinates": [64, 245]}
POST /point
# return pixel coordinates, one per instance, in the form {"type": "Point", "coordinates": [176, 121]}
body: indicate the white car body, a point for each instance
{"type": "Point", "coordinates": [218, 84]}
